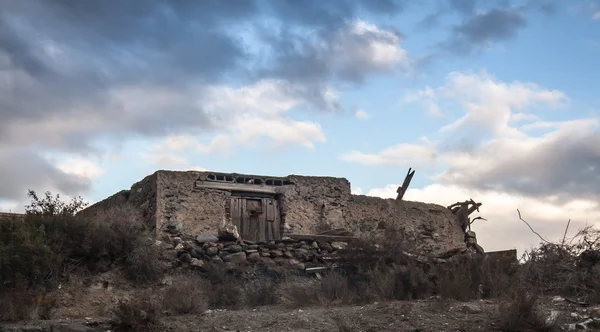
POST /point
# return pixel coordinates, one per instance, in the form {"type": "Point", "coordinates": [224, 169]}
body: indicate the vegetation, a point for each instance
{"type": "Point", "coordinates": [52, 242]}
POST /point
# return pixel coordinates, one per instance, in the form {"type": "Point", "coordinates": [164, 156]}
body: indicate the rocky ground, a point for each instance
{"type": "Point", "coordinates": [425, 315]}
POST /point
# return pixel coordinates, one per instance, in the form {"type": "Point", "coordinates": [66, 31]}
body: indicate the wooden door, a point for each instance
{"type": "Point", "coordinates": [257, 219]}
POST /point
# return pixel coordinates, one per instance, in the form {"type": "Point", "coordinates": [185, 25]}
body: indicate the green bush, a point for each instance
{"type": "Point", "coordinates": [51, 241]}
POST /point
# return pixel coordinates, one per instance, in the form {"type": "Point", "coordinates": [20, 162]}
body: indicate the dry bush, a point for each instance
{"type": "Point", "coordinates": [301, 296]}
{"type": "Point", "coordinates": [261, 292]}
{"type": "Point", "coordinates": [143, 313]}
{"type": "Point", "coordinates": [568, 268]}
{"type": "Point", "coordinates": [26, 305]}
{"type": "Point", "coordinates": [521, 314]}
{"type": "Point", "coordinates": [112, 235]}
{"type": "Point", "coordinates": [142, 264]}
{"type": "Point", "coordinates": [345, 324]}
{"type": "Point", "coordinates": [334, 289]}
{"type": "Point", "coordinates": [187, 295]}
{"type": "Point", "coordinates": [225, 286]}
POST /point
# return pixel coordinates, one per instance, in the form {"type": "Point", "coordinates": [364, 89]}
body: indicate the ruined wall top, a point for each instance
{"type": "Point", "coordinates": [9, 215]}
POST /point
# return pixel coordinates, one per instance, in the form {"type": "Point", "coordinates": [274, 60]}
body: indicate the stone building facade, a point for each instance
{"type": "Point", "coordinates": [268, 208]}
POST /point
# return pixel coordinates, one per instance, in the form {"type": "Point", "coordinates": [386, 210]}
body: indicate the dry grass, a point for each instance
{"type": "Point", "coordinates": [26, 305]}
{"type": "Point", "coordinates": [142, 313]}
{"type": "Point", "coordinates": [187, 295]}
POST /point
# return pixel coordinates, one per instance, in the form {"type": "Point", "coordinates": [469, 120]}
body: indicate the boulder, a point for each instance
{"type": "Point", "coordinates": [228, 231]}
{"type": "Point", "coordinates": [276, 253]}
{"type": "Point", "coordinates": [339, 245]}
{"type": "Point", "coordinates": [203, 238]}
{"type": "Point", "coordinates": [196, 263]}
{"type": "Point", "coordinates": [211, 251]}
{"type": "Point", "coordinates": [301, 254]}
{"type": "Point", "coordinates": [197, 253]}
{"type": "Point", "coordinates": [235, 258]}
{"type": "Point", "coordinates": [471, 308]}
{"type": "Point", "coordinates": [233, 248]}
{"type": "Point", "coordinates": [72, 328]}
{"type": "Point", "coordinates": [254, 257]}
{"type": "Point", "coordinates": [325, 246]}
{"type": "Point", "coordinates": [176, 240]}
{"type": "Point", "coordinates": [185, 257]}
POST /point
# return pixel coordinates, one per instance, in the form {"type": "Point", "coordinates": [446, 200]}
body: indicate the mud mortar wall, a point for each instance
{"type": "Point", "coordinates": [309, 205]}
{"type": "Point", "coordinates": [314, 204]}
{"type": "Point", "coordinates": [192, 210]}
{"type": "Point", "coordinates": [431, 226]}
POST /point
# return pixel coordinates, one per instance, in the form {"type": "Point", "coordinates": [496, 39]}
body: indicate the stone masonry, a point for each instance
{"type": "Point", "coordinates": [198, 203]}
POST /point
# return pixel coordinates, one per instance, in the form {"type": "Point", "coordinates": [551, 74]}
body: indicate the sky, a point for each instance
{"type": "Point", "coordinates": [495, 100]}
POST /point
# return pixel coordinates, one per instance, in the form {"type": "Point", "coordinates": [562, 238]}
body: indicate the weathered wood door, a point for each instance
{"type": "Point", "coordinates": [257, 218]}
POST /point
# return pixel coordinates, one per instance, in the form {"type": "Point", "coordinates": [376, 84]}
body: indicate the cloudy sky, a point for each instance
{"type": "Point", "coordinates": [494, 100]}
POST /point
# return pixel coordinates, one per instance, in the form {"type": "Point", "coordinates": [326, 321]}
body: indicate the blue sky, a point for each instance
{"type": "Point", "coordinates": [492, 100]}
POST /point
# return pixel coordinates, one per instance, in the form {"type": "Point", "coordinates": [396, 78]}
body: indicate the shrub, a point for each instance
{"type": "Point", "coordinates": [142, 313]}
{"type": "Point", "coordinates": [521, 315]}
{"type": "Point", "coordinates": [334, 289]}
{"type": "Point", "coordinates": [187, 295]}
{"type": "Point", "coordinates": [26, 305]}
{"type": "Point", "coordinates": [51, 241]}
{"type": "Point", "coordinates": [142, 264]}
{"type": "Point", "coordinates": [261, 292]}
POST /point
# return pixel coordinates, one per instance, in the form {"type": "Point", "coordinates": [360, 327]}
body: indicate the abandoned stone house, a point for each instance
{"type": "Point", "coordinates": [267, 208]}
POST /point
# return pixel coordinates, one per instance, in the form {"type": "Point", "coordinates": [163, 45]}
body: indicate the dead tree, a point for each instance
{"type": "Point", "coordinates": [402, 189]}
{"type": "Point", "coordinates": [462, 210]}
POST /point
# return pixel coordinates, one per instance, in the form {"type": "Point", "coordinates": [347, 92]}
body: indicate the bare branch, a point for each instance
{"type": "Point", "coordinates": [534, 232]}
{"type": "Point", "coordinates": [562, 243]}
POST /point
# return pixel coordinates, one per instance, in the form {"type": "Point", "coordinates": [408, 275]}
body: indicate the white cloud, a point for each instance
{"type": "Point", "coordinates": [596, 16]}
{"type": "Point", "coordinates": [10, 206]}
{"type": "Point", "coordinates": [362, 115]}
{"type": "Point", "coordinates": [357, 191]}
{"type": "Point", "coordinates": [427, 99]}
{"type": "Point", "coordinates": [490, 157]}
{"type": "Point", "coordinates": [522, 117]}
{"type": "Point", "coordinates": [80, 167]}
{"type": "Point", "coordinates": [398, 155]}
{"type": "Point", "coordinates": [364, 46]}
{"type": "Point", "coordinates": [164, 160]}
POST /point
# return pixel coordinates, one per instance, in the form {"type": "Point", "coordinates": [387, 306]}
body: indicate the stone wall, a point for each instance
{"type": "Point", "coordinates": [309, 205]}
{"type": "Point", "coordinates": [313, 204]}
{"type": "Point", "coordinates": [193, 210]}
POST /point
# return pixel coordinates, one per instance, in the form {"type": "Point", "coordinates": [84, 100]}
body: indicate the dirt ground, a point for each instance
{"type": "Point", "coordinates": [425, 315]}
{"type": "Point", "coordinates": [85, 304]}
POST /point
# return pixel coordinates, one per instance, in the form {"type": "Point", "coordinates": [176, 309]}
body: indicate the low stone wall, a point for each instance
{"type": "Point", "coordinates": [290, 253]}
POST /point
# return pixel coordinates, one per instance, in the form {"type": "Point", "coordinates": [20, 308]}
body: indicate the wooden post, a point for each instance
{"type": "Point", "coordinates": [401, 190]}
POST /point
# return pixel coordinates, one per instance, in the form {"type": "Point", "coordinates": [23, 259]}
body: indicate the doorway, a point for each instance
{"type": "Point", "coordinates": [256, 218]}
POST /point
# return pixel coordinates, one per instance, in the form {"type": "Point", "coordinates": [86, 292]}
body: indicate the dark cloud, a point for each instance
{"type": "Point", "coordinates": [497, 24]}
{"type": "Point", "coordinates": [496, 21]}
{"type": "Point", "coordinates": [76, 72]}
{"type": "Point", "coordinates": [567, 165]}
{"type": "Point", "coordinates": [23, 169]}
{"type": "Point", "coordinates": [483, 29]}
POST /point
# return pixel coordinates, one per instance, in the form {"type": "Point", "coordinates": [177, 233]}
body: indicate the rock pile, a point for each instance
{"type": "Point", "coordinates": [287, 252]}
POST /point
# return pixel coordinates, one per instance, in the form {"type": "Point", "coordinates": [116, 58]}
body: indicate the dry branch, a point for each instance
{"type": "Point", "coordinates": [528, 225]}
